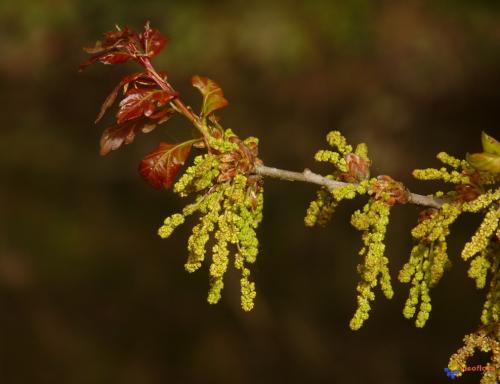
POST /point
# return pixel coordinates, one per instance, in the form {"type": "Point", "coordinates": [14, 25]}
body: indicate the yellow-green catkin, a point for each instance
{"type": "Point", "coordinates": [491, 307]}
{"type": "Point", "coordinates": [336, 140]}
{"type": "Point", "coordinates": [201, 232]}
{"type": "Point", "coordinates": [479, 267]}
{"type": "Point", "coordinates": [334, 158]}
{"type": "Point", "coordinates": [199, 176]}
{"type": "Point", "coordinates": [249, 214]}
{"type": "Point", "coordinates": [483, 201]}
{"type": "Point", "coordinates": [488, 260]}
{"type": "Point", "coordinates": [437, 227]}
{"type": "Point", "coordinates": [428, 260]}
{"type": "Point", "coordinates": [347, 192]}
{"type": "Point", "coordinates": [170, 224]}
{"type": "Point", "coordinates": [373, 221]}
{"type": "Point", "coordinates": [455, 175]}
{"type": "Point", "coordinates": [321, 209]}
{"type": "Point", "coordinates": [481, 238]}
{"type": "Point", "coordinates": [220, 256]}
{"type": "Point", "coordinates": [223, 144]}
{"type": "Point", "coordinates": [337, 158]}
{"type": "Point", "coordinates": [362, 151]}
{"type": "Point", "coordinates": [451, 161]}
{"type": "Point", "coordinates": [424, 270]}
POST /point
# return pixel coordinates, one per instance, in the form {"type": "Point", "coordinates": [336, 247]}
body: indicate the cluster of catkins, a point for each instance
{"type": "Point", "coordinates": [476, 191]}
{"type": "Point", "coordinates": [322, 208]}
{"type": "Point", "coordinates": [353, 168]}
{"type": "Point", "coordinates": [230, 210]}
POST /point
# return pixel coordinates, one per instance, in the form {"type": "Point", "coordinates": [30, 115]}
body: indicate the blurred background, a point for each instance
{"type": "Point", "coordinates": [90, 294]}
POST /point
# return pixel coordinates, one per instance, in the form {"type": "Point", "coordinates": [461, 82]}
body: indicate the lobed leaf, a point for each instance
{"type": "Point", "coordinates": [160, 167]}
{"type": "Point", "coordinates": [118, 134]}
{"type": "Point", "coordinates": [213, 97]}
{"type": "Point", "coordinates": [114, 93]}
{"type": "Point", "coordinates": [114, 49]}
{"type": "Point", "coordinates": [142, 102]}
{"type": "Point", "coordinates": [136, 79]}
{"type": "Point", "coordinates": [125, 44]}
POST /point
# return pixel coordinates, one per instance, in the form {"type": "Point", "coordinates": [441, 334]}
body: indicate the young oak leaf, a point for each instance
{"type": "Point", "coordinates": [125, 44]}
{"type": "Point", "coordinates": [136, 79]}
{"type": "Point", "coordinates": [118, 134]}
{"type": "Point", "coordinates": [490, 144]}
{"type": "Point", "coordinates": [114, 93]}
{"type": "Point", "coordinates": [152, 41]}
{"type": "Point", "coordinates": [358, 169]}
{"type": "Point", "coordinates": [142, 102]}
{"type": "Point", "coordinates": [484, 161]}
{"type": "Point", "coordinates": [114, 49]}
{"type": "Point", "coordinates": [160, 167]}
{"type": "Point", "coordinates": [489, 160]}
{"type": "Point", "coordinates": [213, 97]}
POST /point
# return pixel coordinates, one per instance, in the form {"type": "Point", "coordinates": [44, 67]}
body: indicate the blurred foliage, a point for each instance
{"type": "Point", "coordinates": [89, 293]}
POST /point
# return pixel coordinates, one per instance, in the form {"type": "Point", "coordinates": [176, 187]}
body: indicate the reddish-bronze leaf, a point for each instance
{"type": "Point", "coordinates": [394, 190]}
{"type": "Point", "coordinates": [152, 41]}
{"type": "Point", "coordinates": [160, 167]}
{"type": "Point", "coordinates": [117, 47]}
{"type": "Point", "coordinates": [161, 116]}
{"type": "Point", "coordinates": [140, 78]}
{"type": "Point", "coordinates": [114, 93]}
{"type": "Point", "coordinates": [118, 134]}
{"type": "Point", "coordinates": [111, 57]}
{"type": "Point", "coordinates": [114, 58]}
{"type": "Point", "coordinates": [213, 97]}
{"type": "Point", "coordinates": [119, 38]}
{"type": "Point", "coordinates": [147, 81]}
{"type": "Point", "coordinates": [358, 168]}
{"type": "Point", "coordinates": [467, 192]}
{"type": "Point", "coordinates": [124, 44]}
{"type": "Point", "coordinates": [142, 102]}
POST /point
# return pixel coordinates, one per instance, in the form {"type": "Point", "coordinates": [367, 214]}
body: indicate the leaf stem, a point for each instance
{"type": "Point", "coordinates": [177, 103]}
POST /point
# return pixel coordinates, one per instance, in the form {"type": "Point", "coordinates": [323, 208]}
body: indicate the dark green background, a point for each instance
{"type": "Point", "coordinates": [90, 294]}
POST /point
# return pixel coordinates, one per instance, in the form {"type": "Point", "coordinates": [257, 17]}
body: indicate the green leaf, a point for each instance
{"type": "Point", "coordinates": [213, 97]}
{"type": "Point", "coordinates": [490, 144]}
{"type": "Point", "coordinates": [486, 162]}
